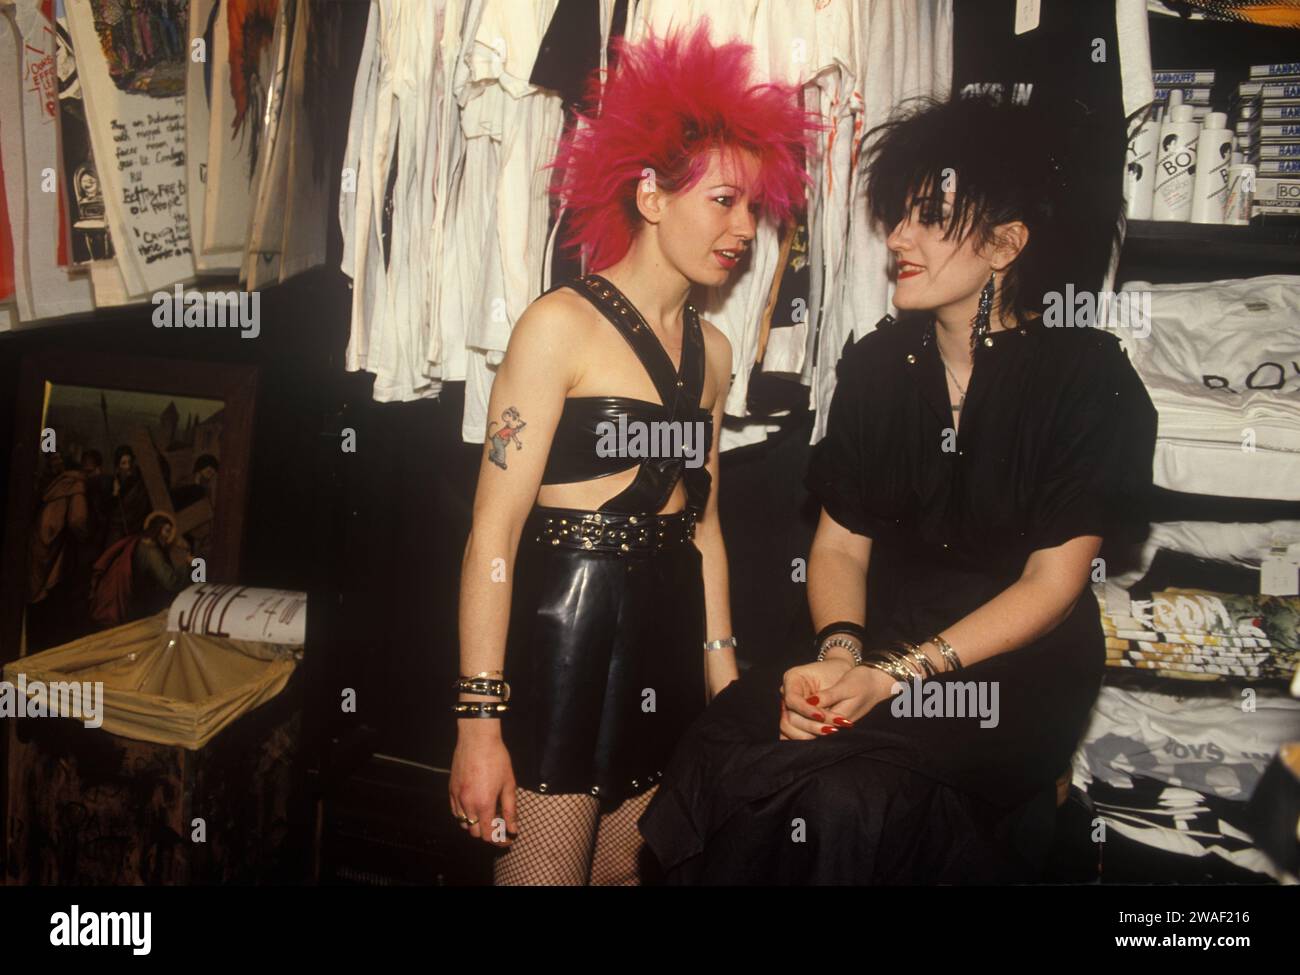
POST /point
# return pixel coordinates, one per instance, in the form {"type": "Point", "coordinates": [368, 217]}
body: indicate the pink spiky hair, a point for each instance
{"type": "Point", "coordinates": [665, 103]}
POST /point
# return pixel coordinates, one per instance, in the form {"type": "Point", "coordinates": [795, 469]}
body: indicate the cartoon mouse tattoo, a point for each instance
{"type": "Point", "coordinates": [511, 425]}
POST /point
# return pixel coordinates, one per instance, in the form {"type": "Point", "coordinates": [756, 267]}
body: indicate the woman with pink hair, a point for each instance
{"type": "Point", "coordinates": [594, 618]}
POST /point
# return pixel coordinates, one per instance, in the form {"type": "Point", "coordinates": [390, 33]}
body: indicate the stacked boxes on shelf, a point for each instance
{"type": "Point", "coordinates": [1195, 84]}
{"type": "Point", "coordinates": [1268, 133]}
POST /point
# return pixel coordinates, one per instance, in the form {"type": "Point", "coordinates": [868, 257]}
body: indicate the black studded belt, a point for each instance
{"type": "Point", "coordinates": [605, 531]}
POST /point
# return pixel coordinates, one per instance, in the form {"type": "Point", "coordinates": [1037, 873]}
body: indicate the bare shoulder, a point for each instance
{"type": "Point", "coordinates": [717, 355]}
{"type": "Point", "coordinates": [548, 341]}
{"type": "Point", "coordinates": [714, 337]}
{"type": "Point", "coordinates": [717, 347]}
{"type": "Point", "coordinates": [560, 316]}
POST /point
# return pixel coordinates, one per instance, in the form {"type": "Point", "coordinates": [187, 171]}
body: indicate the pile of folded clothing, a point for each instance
{"type": "Point", "coordinates": [1221, 362]}
{"type": "Point", "coordinates": [1194, 705]}
{"type": "Point", "coordinates": [1174, 773]}
{"type": "Point", "coordinates": [1192, 634]}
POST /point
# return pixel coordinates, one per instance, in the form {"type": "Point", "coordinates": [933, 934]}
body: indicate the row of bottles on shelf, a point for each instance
{"type": "Point", "coordinates": [1185, 163]}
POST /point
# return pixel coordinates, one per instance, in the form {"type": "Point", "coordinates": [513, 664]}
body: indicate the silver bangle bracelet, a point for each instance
{"type": "Point", "coordinates": [841, 641]}
{"type": "Point", "coordinates": [949, 654]}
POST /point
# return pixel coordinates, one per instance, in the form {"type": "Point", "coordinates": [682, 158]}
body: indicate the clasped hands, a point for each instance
{"type": "Point", "coordinates": [821, 698]}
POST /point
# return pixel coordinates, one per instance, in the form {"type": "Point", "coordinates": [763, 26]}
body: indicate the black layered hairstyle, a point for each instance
{"type": "Point", "coordinates": [1009, 163]}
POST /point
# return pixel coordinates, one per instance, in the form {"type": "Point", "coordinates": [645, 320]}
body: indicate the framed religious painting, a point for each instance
{"type": "Point", "coordinates": [128, 482]}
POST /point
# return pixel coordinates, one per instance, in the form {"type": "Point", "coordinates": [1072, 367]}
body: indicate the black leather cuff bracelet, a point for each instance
{"type": "Point", "coordinates": [843, 626]}
{"type": "Point", "coordinates": [480, 709]}
{"type": "Point", "coordinates": [482, 685]}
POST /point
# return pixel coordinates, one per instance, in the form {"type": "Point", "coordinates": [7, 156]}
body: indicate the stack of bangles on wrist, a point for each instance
{"type": "Point", "coordinates": [904, 661]}
{"type": "Point", "coordinates": [488, 683]}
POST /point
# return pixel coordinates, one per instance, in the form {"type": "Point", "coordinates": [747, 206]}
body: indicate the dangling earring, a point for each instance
{"type": "Point", "coordinates": [981, 328]}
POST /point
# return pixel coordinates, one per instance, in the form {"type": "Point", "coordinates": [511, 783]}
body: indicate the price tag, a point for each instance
{"type": "Point", "coordinates": [1027, 12]}
{"type": "Point", "coordinates": [1279, 576]}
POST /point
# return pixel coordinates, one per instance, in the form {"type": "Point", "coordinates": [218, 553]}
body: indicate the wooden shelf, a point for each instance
{"type": "Point", "coordinates": [1166, 242]}
{"type": "Point", "coordinates": [135, 310]}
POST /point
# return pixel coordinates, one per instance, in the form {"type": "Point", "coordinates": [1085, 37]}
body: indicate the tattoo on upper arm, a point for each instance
{"type": "Point", "coordinates": [497, 442]}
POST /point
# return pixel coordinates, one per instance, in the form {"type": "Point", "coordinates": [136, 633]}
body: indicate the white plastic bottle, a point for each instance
{"type": "Point", "coordinates": [1213, 156]}
{"type": "Point", "coordinates": [1140, 168]}
{"type": "Point", "coordinates": [1175, 162]}
{"type": "Point", "coordinates": [1241, 190]}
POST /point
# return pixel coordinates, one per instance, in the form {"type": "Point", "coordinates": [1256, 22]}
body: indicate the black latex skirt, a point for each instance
{"type": "Point", "coordinates": [605, 664]}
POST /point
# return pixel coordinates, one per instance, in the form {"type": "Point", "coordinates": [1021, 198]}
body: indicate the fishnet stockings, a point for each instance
{"type": "Point", "coordinates": [620, 851]}
{"type": "Point", "coordinates": [568, 840]}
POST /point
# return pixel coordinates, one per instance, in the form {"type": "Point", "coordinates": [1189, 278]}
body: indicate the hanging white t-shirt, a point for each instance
{"type": "Point", "coordinates": [511, 128]}
{"type": "Point", "coordinates": [43, 288]}
{"type": "Point", "coordinates": [904, 51]}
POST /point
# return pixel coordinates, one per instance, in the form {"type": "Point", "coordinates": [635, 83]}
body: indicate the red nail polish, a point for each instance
{"type": "Point", "coordinates": [813, 700]}
{"type": "Point", "coordinates": [826, 730]}
{"type": "Point", "coordinates": [844, 722]}
{"type": "Point", "coordinates": [818, 717]}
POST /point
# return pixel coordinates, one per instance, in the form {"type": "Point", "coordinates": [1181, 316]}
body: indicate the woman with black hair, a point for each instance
{"type": "Point", "coordinates": [973, 462]}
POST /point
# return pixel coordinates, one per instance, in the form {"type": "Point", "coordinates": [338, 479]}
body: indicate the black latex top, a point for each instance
{"type": "Point", "coordinates": [574, 457]}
